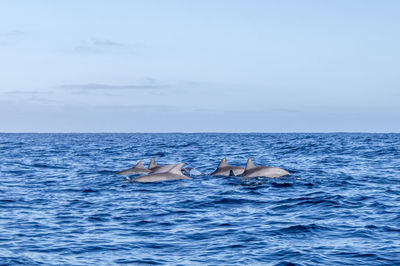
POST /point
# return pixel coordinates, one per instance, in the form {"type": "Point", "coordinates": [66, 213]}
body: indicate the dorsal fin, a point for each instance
{"type": "Point", "coordinates": [152, 163]}
{"type": "Point", "coordinates": [177, 169]}
{"type": "Point", "coordinates": [139, 164]}
{"type": "Point", "coordinates": [222, 163]}
{"type": "Point", "coordinates": [231, 173]}
{"type": "Point", "coordinates": [249, 164]}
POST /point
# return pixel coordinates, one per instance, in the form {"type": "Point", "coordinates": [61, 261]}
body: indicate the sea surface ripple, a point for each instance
{"type": "Point", "coordinates": [62, 203]}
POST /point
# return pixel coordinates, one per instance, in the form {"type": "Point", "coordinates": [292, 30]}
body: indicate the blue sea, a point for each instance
{"type": "Point", "coordinates": [61, 201]}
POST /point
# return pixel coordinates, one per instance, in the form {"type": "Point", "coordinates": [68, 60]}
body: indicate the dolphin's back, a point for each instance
{"type": "Point", "coordinates": [162, 168]}
{"type": "Point", "coordinates": [225, 170]}
{"type": "Point", "coordinates": [174, 173]}
{"type": "Point", "coordinates": [159, 177]}
{"type": "Point", "coordinates": [133, 171]}
{"type": "Point", "coordinates": [265, 171]}
{"type": "Point", "coordinates": [137, 169]}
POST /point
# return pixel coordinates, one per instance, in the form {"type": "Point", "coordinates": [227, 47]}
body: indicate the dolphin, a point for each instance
{"type": "Point", "coordinates": [137, 169]}
{"type": "Point", "coordinates": [224, 169]}
{"type": "Point", "coordinates": [173, 174]}
{"type": "Point", "coordinates": [154, 168]}
{"type": "Point", "coordinates": [165, 168]}
{"type": "Point", "coordinates": [267, 171]}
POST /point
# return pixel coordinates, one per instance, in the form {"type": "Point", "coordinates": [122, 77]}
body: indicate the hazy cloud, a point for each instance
{"type": "Point", "coordinates": [87, 49]}
{"type": "Point", "coordinates": [102, 86]}
{"type": "Point", "coordinates": [105, 43]}
{"type": "Point", "coordinates": [21, 92]}
{"type": "Point", "coordinates": [98, 46]}
{"type": "Point", "coordinates": [141, 107]}
{"type": "Point", "coordinates": [9, 36]}
{"type": "Point", "coordinates": [14, 33]}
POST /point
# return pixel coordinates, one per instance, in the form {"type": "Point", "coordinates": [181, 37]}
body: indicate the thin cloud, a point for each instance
{"type": "Point", "coordinates": [87, 49]}
{"type": "Point", "coordinates": [143, 107]}
{"type": "Point", "coordinates": [21, 92]}
{"type": "Point", "coordinates": [12, 33]}
{"type": "Point", "coordinates": [99, 46]}
{"type": "Point", "coordinates": [9, 37]}
{"type": "Point", "coordinates": [106, 43]}
{"type": "Point", "coordinates": [109, 87]}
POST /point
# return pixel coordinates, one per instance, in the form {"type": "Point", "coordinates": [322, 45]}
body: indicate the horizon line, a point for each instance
{"type": "Point", "coordinates": [202, 132]}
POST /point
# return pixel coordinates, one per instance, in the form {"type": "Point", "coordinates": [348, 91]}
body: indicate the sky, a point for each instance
{"type": "Point", "coordinates": [200, 66]}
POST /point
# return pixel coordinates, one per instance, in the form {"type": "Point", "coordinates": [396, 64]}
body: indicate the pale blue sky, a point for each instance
{"type": "Point", "coordinates": [195, 66]}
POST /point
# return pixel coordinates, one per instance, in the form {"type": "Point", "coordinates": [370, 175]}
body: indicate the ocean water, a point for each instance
{"type": "Point", "coordinates": [62, 203]}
